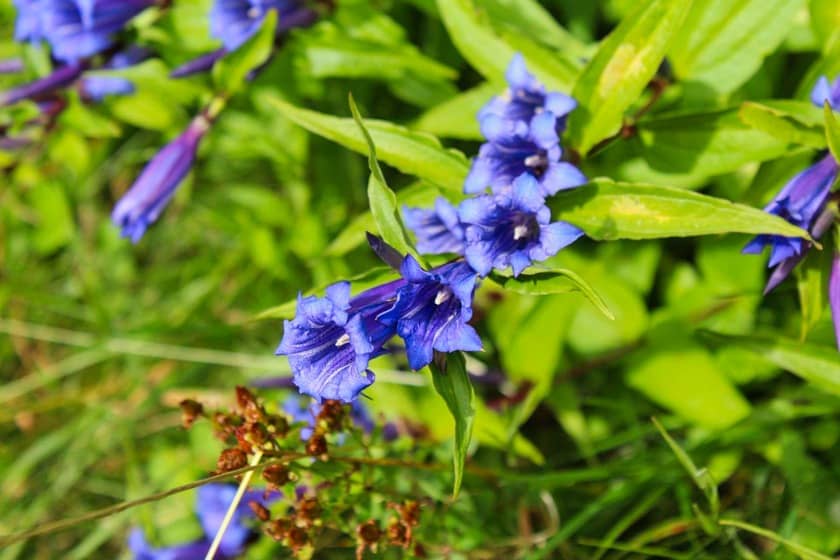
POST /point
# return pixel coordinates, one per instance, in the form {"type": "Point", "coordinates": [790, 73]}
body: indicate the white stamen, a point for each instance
{"type": "Point", "coordinates": [254, 12]}
{"type": "Point", "coordinates": [342, 340]}
{"type": "Point", "coordinates": [442, 296]}
{"type": "Point", "coordinates": [519, 232]}
{"type": "Point", "coordinates": [534, 160]}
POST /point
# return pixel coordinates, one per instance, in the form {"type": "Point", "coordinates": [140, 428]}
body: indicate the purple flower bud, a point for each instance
{"type": "Point", "coordinates": [96, 88]}
{"type": "Point", "coordinates": [61, 77]}
{"type": "Point", "coordinates": [11, 66]}
{"type": "Point", "coordinates": [200, 64]}
{"type": "Point", "coordinates": [156, 185]}
{"type": "Point", "coordinates": [799, 202]}
{"type": "Point", "coordinates": [834, 295]}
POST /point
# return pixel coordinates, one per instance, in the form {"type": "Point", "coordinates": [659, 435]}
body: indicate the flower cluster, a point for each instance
{"type": "Point", "coordinates": [804, 202]}
{"type": "Point", "coordinates": [520, 164]}
{"type": "Point", "coordinates": [82, 36]}
{"type": "Point", "coordinates": [212, 504]}
{"type": "Point", "coordinates": [76, 30]}
{"type": "Point", "coordinates": [505, 224]}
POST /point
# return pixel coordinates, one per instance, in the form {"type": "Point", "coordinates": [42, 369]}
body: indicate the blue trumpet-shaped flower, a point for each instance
{"type": "Point", "coordinates": [331, 340]}
{"type": "Point", "coordinates": [438, 230]}
{"type": "Point", "coordinates": [517, 147]}
{"type": "Point", "coordinates": [432, 310]}
{"type": "Point", "coordinates": [512, 228]}
{"type": "Point", "coordinates": [799, 202]}
{"type": "Point", "coordinates": [156, 185]}
{"type": "Point", "coordinates": [77, 29]}
{"type": "Point", "coordinates": [235, 21]}
{"type": "Point", "coordinates": [526, 97]}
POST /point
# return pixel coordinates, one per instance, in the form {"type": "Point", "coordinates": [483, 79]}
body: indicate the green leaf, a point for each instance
{"type": "Point", "coordinates": [701, 477]}
{"type": "Point", "coordinates": [383, 201]}
{"type": "Point", "coordinates": [529, 17]}
{"type": "Point", "coordinates": [353, 235]}
{"type": "Point", "coordinates": [682, 376]}
{"type": "Point", "coordinates": [456, 117]}
{"type": "Point", "coordinates": [782, 125]}
{"type": "Point", "coordinates": [554, 281]}
{"type": "Point", "coordinates": [832, 131]}
{"type": "Point", "coordinates": [706, 143]}
{"type": "Point", "coordinates": [490, 55]}
{"type": "Point", "coordinates": [230, 72]}
{"type": "Point", "coordinates": [819, 365]}
{"type": "Point", "coordinates": [414, 153]}
{"type": "Point", "coordinates": [618, 73]}
{"type": "Point", "coordinates": [605, 209]}
{"type": "Point", "coordinates": [722, 44]}
{"type": "Point", "coordinates": [454, 387]}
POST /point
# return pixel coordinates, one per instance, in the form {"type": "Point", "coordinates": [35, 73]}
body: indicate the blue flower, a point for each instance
{"type": "Point", "coordinates": [517, 147]}
{"type": "Point", "coordinates": [235, 21]}
{"type": "Point", "coordinates": [142, 550]}
{"type": "Point", "coordinates": [156, 185]}
{"type": "Point", "coordinates": [437, 230]}
{"type": "Point", "coordinates": [432, 309]}
{"type": "Point", "coordinates": [98, 86]}
{"type": "Point", "coordinates": [526, 97]}
{"type": "Point", "coordinates": [28, 20]}
{"type": "Point", "coordinates": [799, 202]}
{"type": "Point", "coordinates": [212, 504]}
{"type": "Point", "coordinates": [331, 340]}
{"type": "Point", "coordinates": [512, 228]}
{"type": "Point", "coordinates": [77, 29]}
{"type": "Point", "coordinates": [824, 91]}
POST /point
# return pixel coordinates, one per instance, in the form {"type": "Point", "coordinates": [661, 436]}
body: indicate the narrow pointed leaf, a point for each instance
{"type": "Point", "coordinates": [382, 200]}
{"type": "Point", "coordinates": [605, 209]}
{"type": "Point", "coordinates": [454, 387]}
{"type": "Point", "coordinates": [554, 281]}
{"type": "Point", "coordinates": [624, 64]}
{"type": "Point", "coordinates": [414, 153]}
{"type": "Point", "coordinates": [832, 131]}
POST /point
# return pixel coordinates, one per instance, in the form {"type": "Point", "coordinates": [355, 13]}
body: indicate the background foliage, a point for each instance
{"type": "Point", "coordinates": [104, 338]}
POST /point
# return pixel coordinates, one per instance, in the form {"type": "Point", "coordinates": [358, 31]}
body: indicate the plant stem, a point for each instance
{"type": "Point", "coordinates": [246, 479]}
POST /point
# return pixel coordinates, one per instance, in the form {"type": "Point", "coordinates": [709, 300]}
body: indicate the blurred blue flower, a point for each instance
{"type": "Point", "coordinates": [28, 20]}
{"type": "Point", "coordinates": [438, 230]}
{"type": "Point", "coordinates": [77, 29]}
{"type": "Point", "coordinates": [799, 202]}
{"type": "Point", "coordinates": [306, 410]}
{"type": "Point", "coordinates": [156, 185]}
{"type": "Point", "coordinates": [331, 340]}
{"type": "Point", "coordinates": [824, 91]}
{"type": "Point", "coordinates": [517, 147]}
{"type": "Point", "coordinates": [235, 21]}
{"type": "Point", "coordinates": [526, 97]}
{"type": "Point", "coordinates": [212, 504]}
{"type": "Point", "coordinates": [512, 228]}
{"type": "Point", "coordinates": [432, 309]}
{"type": "Point", "coordinates": [98, 86]}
